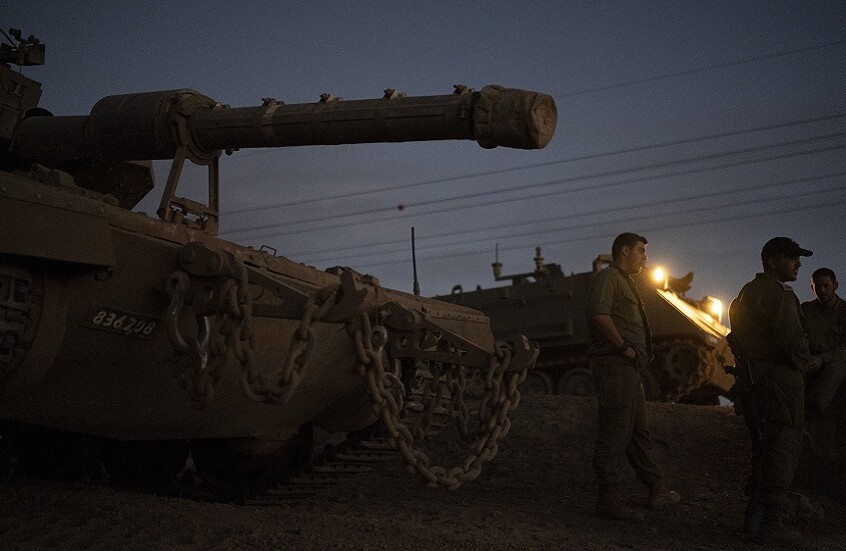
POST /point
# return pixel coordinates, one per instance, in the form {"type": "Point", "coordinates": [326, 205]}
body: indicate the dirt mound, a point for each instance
{"type": "Point", "coordinates": [537, 494]}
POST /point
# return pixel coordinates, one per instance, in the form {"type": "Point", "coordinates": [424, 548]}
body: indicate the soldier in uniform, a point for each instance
{"type": "Point", "coordinates": [824, 322]}
{"type": "Point", "coordinates": [620, 348]}
{"type": "Point", "coordinates": [769, 345]}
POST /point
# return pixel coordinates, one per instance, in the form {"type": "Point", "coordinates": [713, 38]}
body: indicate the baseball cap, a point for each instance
{"type": "Point", "coordinates": [783, 245]}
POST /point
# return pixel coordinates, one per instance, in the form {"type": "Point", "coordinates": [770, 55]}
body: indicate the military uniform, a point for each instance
{"type": "Point", "coordinates": [767, 333]}
{"type": "Point", "coordinates": [825, 327]}
{"type": "Point", "coordinates": [622, 420]}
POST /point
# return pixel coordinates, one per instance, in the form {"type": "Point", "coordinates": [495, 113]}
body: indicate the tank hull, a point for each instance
{"type": "Point", "coordinates": [95, 356]}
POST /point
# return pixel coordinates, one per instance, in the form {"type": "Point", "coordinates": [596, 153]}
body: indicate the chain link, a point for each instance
{"type": "Point", "coordinates": [196, 366]}
{"type": "Point", "coordinates": [199, 360]}
{"type": "Point", "coordinates": [501, 397]}
{"type": "Point", "coordinates": [278, 386]}
{"type": "Point", "coordinates": [385, 387]}
{"type": "Point", "coordinates": [430, 401]}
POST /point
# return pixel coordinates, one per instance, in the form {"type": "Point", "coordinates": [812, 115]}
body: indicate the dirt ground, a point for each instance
{"type": "Point", "coordinates": [537, 494]}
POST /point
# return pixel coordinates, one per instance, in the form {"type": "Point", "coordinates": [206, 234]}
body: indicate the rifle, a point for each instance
{"type": "Point", "coordinates": [745, 397]}
{"type": "Point", "coordinates": [745, 405]}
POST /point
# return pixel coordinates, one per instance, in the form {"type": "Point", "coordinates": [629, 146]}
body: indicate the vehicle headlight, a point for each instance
{"type": "Point", "coordinates": [714, 306]}
{"type": "Point", "coordinates": [659, 277]}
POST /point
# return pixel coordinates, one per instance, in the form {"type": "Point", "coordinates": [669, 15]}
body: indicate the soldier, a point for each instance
{"type": "Point", "coordinates": [771, 350]}
{"type": "Point", "coordinates": [825, 326]}
{"type": "Point", "coordinates": [621, 347]}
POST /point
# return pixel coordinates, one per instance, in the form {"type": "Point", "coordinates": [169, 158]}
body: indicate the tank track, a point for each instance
{"type": "Point", "coordinates": [250, 471]}
{"type": "Point", "coordinates": [331, 467]}
{"type": "Point", "coordinates": [358, 453]}
{"type": "Point", "coordinates": [169, 468]}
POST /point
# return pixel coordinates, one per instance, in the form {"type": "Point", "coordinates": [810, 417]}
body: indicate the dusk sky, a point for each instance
{"type": "Point", "coordinates": [709, 127]}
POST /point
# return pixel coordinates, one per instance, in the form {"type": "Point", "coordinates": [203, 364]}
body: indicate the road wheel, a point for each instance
{"type": "Point", "coordinates": [537, 382]}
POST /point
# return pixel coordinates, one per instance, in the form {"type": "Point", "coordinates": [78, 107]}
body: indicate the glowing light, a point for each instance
{"type": "Point", "coordinates": [659, 277]}
{"type": "Point", "coordinates": [714, 306]}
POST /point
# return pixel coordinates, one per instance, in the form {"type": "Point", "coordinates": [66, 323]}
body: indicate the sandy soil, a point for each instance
{"type": "Point", "coordinates": [537, 494]}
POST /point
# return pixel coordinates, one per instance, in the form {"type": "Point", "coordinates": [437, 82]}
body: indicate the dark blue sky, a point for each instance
{"type": "Point", "coordinates": [625, 76]}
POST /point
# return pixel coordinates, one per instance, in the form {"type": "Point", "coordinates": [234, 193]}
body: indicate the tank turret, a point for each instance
{"type": "Point", "coordinates": [184, 124]}
{"type": "Point", "coordinates": [152, 347]}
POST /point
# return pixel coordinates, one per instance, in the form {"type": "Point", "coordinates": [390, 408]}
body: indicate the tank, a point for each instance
{"type": "Point", "coordinates": [142, 347]}
{"type": "Point", "coordinates": [549, 307]}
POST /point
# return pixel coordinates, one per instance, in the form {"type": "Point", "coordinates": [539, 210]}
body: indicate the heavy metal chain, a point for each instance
{"type": "Point", "coordinates": [278, 386]}
{"type": "Point", "coordinates": [200, 359]}
{"type": "Point", "coordinates": [197, 366]}
{"type": "Point", "coordinates": [431, 400]}
{"type": "Point", "coordinates": [501, 398]}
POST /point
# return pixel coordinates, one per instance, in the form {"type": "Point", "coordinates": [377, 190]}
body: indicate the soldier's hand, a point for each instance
{"type": "Point", "coordinates": [814, 364]}
{"type": "Point", "coordinates": [630, 353]}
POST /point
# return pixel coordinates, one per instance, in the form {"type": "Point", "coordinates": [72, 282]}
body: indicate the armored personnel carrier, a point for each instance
{"type": "Point", "coordinates": [549, 307]}
{"type": "Point", "coordinates": [149, 346]}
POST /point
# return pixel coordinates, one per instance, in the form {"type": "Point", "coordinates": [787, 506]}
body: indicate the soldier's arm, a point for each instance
{"type": "Point", "coordinates": [838, 353]}
{"type": "Point", "coordinates": [599, 305]}
{"type": "Point", "coordinates": [609, 331]}
{"type": "Point", "coordinates": [811, 327]}
{"type": "Point", "coordinates": [788, 332]}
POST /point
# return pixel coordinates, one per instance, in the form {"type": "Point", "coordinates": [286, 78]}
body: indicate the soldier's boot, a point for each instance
{"type": "Point", "coordinates": [773, 531]}
{"type": "Point", "coordinates": [660, 496]}
{"type": "Point", "coordinates": [610, 504]}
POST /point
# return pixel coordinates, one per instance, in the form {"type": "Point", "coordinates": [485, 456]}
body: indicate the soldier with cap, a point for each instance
{"type": "Point", "coordinates": [620, 347]}
{"type": "Point", "coordinates": [825, 326]}
{"type": "Point", "coordinates": [769, 344]}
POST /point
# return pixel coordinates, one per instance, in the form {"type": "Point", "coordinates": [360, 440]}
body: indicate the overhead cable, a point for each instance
{"type": "Point", "coordinates": [494, 172]}
{"type": "Point", "coordinates": [453, 234]}
{"type": "Point", "coordinates": [302, 230]}
{"type": "Point", "coordinates": [692, 210]}
{"type": "Point", "coordinates": [682, 224]}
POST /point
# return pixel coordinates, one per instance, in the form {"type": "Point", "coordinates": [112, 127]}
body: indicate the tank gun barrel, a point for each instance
{"type": "Point", "coordinates": [154, 125]}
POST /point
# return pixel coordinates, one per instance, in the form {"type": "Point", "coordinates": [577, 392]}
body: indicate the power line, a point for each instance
{"type": "Point", "coordinates": [586, 157]}
{"type": "Point", "coordinates": [534, 185]}
{"type": "Point", "coordinates": [700, 69]}
{"type": "Point", "coordinates": [559, 192]}
{"type": "Point", "coordinates": [453, 234]}
{"type": "Point", "coordinates": [693, 210]}
{"type": "Point", "coordinates": [684, 224]}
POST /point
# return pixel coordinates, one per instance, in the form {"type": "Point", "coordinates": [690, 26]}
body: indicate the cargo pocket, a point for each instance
{"type": "Point", "coordinates": [614, 386]}
{"type": "Point", "coordinates": [780, 400]}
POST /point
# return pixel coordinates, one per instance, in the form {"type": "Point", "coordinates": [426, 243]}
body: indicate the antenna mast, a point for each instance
{"type": "Point", "coordinates": [414, 263]}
